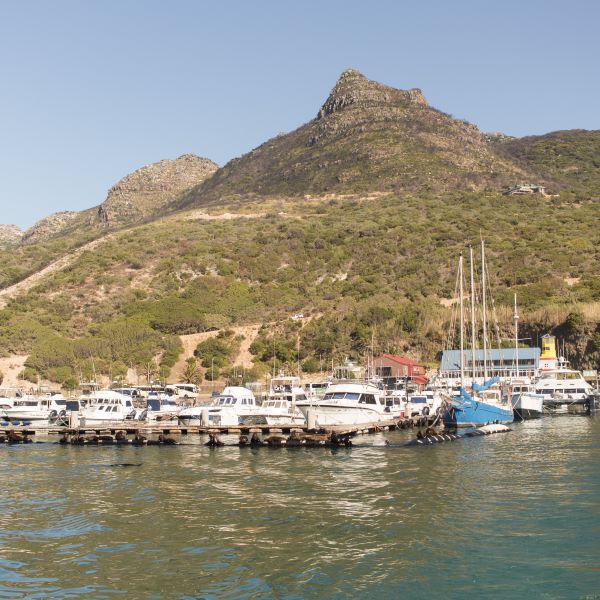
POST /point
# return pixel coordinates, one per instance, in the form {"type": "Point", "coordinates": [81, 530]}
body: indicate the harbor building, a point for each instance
{"type": "Point", "coordinates": [497, 362]}
{"type": "Point", "coordinates": [392, 367]}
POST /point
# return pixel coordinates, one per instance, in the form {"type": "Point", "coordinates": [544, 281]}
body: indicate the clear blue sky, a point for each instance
{"type": "Point", "coordinates": [93, 90]}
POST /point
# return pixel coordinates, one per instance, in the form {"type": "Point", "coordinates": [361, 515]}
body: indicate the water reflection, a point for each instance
{"type": "Point", "coordinates": [500, 513]}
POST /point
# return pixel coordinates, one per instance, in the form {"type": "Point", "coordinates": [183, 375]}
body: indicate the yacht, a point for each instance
{"type": "Point", "coordinates": [234, 404]}
{"type": "Point", "coordinates": [35, 408]}
{"type": "Point", "coordinates": [347, 403]}
{"type": "Point", "coordinates": [107, 406]}
{"type": "Point", "coordinates": [281, 405]}
{"type": "Point", "coordinates": [564, 389]}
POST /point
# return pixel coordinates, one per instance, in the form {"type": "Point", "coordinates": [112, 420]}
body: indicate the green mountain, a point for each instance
{"type": "Point", "coordinates": [355, 219]}
{"type": "Point", "coordinates": [367, 137]}
{"type": "Point", "coordinates": [569, 159]}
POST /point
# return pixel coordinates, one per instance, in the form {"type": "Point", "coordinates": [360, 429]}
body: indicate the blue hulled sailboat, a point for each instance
{"type": "Point", "coordinates": [482, 404]}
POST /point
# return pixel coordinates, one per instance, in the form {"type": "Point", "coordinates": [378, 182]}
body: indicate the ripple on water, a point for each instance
{"type": "Point", "coordinates": [496, 516]}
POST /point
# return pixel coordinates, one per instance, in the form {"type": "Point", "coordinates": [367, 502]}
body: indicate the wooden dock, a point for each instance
{"type": "Point", "coordinates": [172, 428]}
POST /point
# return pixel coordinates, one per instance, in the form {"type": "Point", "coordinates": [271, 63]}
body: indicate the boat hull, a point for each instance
{"type": "Point", "coordinates": [334, 414]}
{"type": "Point", "coordinates": [22, 415]}
{"type": "Point", "coordinates": [527, 406]}
{"type": "Point", "coordinates": [474, 413]}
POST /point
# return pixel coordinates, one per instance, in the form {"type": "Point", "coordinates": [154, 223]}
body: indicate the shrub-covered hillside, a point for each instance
{"type": "Point", "coordinates": [376, 267]}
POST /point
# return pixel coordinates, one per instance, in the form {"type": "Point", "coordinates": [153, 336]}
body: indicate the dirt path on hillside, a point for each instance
{"type": "Point", "coordinates": [26, 284]}
{"type": "Point", "coordinates": [189, 343]}
{"type": "Point", "coordinates": [10, 367]}
{"type": "Point", "coordinates": [200, 215]}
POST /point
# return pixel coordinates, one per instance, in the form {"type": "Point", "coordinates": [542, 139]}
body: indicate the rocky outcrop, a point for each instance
{"type": "Point", "coordinates": [152, 189]}
{"type": "Point", "coordinates": [366, 137]}
{"type": "Point", "coordinates": [10, 235]}
{"type": "Point", "coordinates": [49, 227]}
{"type": "Point", "coordinates": [354, 88]}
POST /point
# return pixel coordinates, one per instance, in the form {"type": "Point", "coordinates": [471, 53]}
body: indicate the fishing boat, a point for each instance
{"type": "Point", "coordinates": [281, 405]}
{"type": "Point", "coordinates": [228, 409]}
{"type": "Point", "coordinates": [482, 403]}
{"type": "Point", "coordinates": [347, 403]}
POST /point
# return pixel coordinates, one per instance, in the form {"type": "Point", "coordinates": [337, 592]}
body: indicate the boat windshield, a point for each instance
{"type": "Point", "coordinates": [341, 396]}
{"type": "Point", "coordinates": [225, 401]}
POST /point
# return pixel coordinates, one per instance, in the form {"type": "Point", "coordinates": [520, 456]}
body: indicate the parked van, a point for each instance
{"type": "Point", "coordinates": [186, 390]}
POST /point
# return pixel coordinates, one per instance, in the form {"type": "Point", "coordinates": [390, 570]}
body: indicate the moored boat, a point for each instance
{"type": "Point", "coordinates": [234, 404]}
{"type": "Point", "coordinates": [107, 406]}
{"type": "Point", "coordinates": [483, 403]}
{"type": "Point", "coordinates": [35, 408]}
{"type": "Point", "coordinates": [347, 403]}
{"type": "Point", "coordinates": [564, 389]}
{"type": "Point", "coordinates": [281, 405]}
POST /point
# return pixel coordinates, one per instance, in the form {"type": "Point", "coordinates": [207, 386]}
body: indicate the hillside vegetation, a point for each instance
{"type": "Point", "coordinates": [355, 219]}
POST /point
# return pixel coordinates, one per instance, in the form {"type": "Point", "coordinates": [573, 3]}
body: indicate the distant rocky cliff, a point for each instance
{"type": "Point", "coordinates": [152, 189]}
{"type": "Point", "coordinates": [148, 192]}
{"type": "Point", "coordinates": [10, 235]}
{"type": "Point", "coordinates": [49, 227]}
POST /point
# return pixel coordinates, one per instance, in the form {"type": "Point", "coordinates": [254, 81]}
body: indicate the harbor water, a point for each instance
{"type": "Point", "coordinates": [505, 516]}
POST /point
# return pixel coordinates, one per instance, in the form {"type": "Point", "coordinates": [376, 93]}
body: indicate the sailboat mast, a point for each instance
{"type": "Point", "coordinates": [484, 315]}
{"type": "Point", "coordinates": [462, 321]}
{"type": "Point", "coordinates": [516, 320]}
{"type": "Point", "coordinates": [472, 312]}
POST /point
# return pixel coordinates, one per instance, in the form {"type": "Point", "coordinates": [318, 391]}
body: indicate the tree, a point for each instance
{"type": "Point", "coordinates": [192, 373]}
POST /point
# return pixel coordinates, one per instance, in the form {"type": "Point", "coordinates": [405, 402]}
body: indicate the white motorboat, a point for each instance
{"type": "Point", "coordinates": [395, 403]}
{"type": "Point", "coordinates": [526, 403]}
{"type": "Point", "coordinates": [281, 405]}
{"type": "Point", "coordinates": [35, 408]}
{"type": "Point", "coordinates": [160, 406]}
{"type": "Point", "coordinates": [234, 404]}
{"type": "Point", "coordinates": [348, 403]}
{"type": "Point", "coordinates": [564, 389]}
{"type": "Point", "coordinates": [107, 406]}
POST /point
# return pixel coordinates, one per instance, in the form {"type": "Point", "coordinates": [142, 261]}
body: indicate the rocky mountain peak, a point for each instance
{"type": "Point", "coordinates": [10, 235]}
{"type": "Point", "coordinates": [49, 226]}
{"type": "Point", "coordinates": [152, 188]}
{"type": "Point", "coordinates": [353, 88]}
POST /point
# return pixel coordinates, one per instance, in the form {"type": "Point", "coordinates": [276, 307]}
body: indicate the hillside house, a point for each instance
{"type": "Point", "coordinates": [525, 188]}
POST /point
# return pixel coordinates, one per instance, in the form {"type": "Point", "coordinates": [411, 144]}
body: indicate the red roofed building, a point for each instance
{"type": "Point", "coordinates": [399, 367]}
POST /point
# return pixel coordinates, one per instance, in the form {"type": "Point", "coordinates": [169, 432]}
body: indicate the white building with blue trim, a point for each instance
{"type": "Point", "coordinates": [496, 363]}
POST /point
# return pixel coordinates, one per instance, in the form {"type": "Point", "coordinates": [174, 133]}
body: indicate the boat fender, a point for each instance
{"type": "Point", "coordinates": [53, 414]}
{"type": "Point", "coordinates": [425, 411]}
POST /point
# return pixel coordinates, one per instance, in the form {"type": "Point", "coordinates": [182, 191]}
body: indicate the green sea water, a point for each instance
{"type": "Point", "coordinates": [515, 515]}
